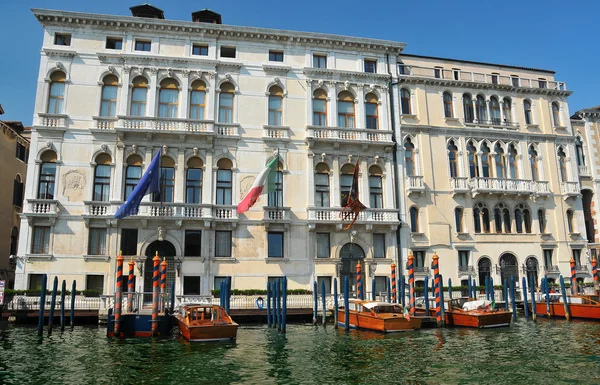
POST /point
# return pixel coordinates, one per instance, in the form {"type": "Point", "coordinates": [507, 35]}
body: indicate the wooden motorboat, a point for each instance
{"type": "Point", "coordinates": [204, 322]}
{"type": "Point", "coordinates": [475, 313]}
{"type": "Point", "coordinates": [580, 306]}
{"type": "Point", "coordinates": [378, 316]}
{"type": "Point", "coordinates": [421, 309]}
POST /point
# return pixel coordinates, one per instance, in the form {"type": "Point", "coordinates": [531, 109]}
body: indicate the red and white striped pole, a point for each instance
{"type": "Point", "coordinates": [438, 298]}
{"type": "Point", "coordinates": [411, 283]}
{"type": "Point", "coordinates": [163, 283]}
{"type": "Point", "coordinates": [595, 273]}
{"type": "Point", "coordinates": [130, 288]}
{"type": "Point", "coordinates": [393, 283]}
{"type": "Point", "coordinates": [118, 296]}
{"type": "Point", "coordinates": [156, 261]}
{"type": "Point", "coordinates": [573, 277]}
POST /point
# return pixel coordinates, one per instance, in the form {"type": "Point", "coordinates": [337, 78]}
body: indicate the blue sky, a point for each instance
{"type": "Point", "coordinates": [548, 34]}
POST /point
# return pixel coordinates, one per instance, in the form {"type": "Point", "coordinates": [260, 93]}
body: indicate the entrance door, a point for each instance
{"type": "Point", "coordinates": [351, 254]}
{"type": "Point", "coordinates": [509, 267]}
{"type": "Point", "coordinates": [532, 265]}
{"type": "Point", "coordinates": [165, 250]}
{"type": "Point", "coordinates": [484, 267]}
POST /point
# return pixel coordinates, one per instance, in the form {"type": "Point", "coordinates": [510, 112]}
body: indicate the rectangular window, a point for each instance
{"type": "Point", "coordinates": [114, 43]}
{"type": "Point", "coordinates": [35, 282]}
{"type": "Point", "coordinates": [97, 242]}
{"type": "Point", "coordinates": [494, 78]}
{"type": "Point", "coordinates": [463, 258]}
{"type": "Point", "coordinates": [275, 240]}
{"type": "Point", "coordinates": [370, 66]}
{"type": "Point", "coordinates": [327, 282]}
{"type": "Point", "coordinates": [22, 152]}
{"type": "Point", "coordinates": [94, 282]}
{"type": "Point", "coordinates": [40, 240]}
{"type": "Point", "coordinates": [319, 61]}
{"type": "Point", "coordinates": [143, 45]}
{"type": "Point", "coordinates": [132, 177]}
{"type": "Point", "coordinates": [167, 185]}
{"type": "Point", "coordinates": [514, 80]}
{"type": "Point", "coordinates": [191, 285]}
{"type": "Point", "coordinates": [456, 73]}
{"type": "Point", "coordinates": [419, 258]}
{"type": "Point", "coordinates": [193, 243]}
{"type": "Point", "coordinates": [129, 240]}
{"type": "Point", "coordinates": [437, 72]}
{"type": "Point", "coordinates": [322, 189]}
{"type": "Point", "coordinates": [275, 198]}
{"type": "Point", "coordinates": [217, 282]}
{"type": "Point", "coordinates": [226, 107]}
{"type": "Point", "coordinates": [17, 194]}
{"type": "Point", "coordinates": [276, 56]}
{"type": "Point", "coordinates": [542, 83]}
{"type": "Point", "coordinates": [376, 192]}
{"type": "Point", "coordinates": [223, 244]}
{"type": "Point", "coordinates": [62, 39]}
{"type": "Point", "coordinates": [228, 52]}
{"type": "Point", "coordinates": [577, 256]}
{"type": "Point", "coordinates": [224, 186]}
{"type": "Point", "coordinates": [403, 70]}
{"type": "Point", "coordinates": [47, 179]}
{"type": "Point", "coordinates": [381, 284]}
{"type": "Point", "coordinates": [323, 246]}
{"type": "Point", "coordinates": [200, 50]}
{"type": "Point", "coordinates": [548, 257]}
{"type": "Point", "coordinates": [378, 245]}
{"type": "Point", "coordinates": [274, 281]}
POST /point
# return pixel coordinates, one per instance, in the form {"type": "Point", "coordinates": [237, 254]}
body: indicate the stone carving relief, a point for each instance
{"type": "Point", "coordinates": [161, 233]}
{"type": "Point", "coordinates": [73, 185]}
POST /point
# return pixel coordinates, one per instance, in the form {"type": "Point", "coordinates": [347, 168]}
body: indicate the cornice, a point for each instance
{"type": "Point", "coordinates": [332, 74]}
{"type": "Point", "coordinates": [409, 79]}
{"type": "Point", "coordinates": [58, 52]}
{"type": "Point", "coordinates": [147, 59]}
{"type": "Point", "coordinates": [178, 27]}
{"type": "Point", "coordinates": [276, 68]}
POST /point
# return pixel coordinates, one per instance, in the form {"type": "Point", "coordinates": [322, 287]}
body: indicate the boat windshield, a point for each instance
{"type": "Point", "coordinates": [388, 309]}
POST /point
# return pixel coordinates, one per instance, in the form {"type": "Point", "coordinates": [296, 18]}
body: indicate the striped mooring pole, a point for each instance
{"type": "Point", "coordinates": [411, 283]}
{"type": "Point", "coordinates": [437, 283]}
{"type": "Point", "coordinates": [130, 287]}
{"type": "Point", "coordinates": [595, 273]}
{"type": "Point", "coordinates": [359, 291]}
{"type": "Point", "coordinates": [118, 296]}
{"type": "Point", "coordinates": [573, 277]}
{"type": "Point", "coordinates": [163, 283]}
{"type": "Point", "coordinates": [394, 290]}
{"type": "Point", "coordinates": [156, 261]}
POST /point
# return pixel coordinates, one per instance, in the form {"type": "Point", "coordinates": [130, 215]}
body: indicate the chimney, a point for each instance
{"type": "Point", "coordinates": [206, 16]}
{"type": "Point", "coordinates": [148, 11]}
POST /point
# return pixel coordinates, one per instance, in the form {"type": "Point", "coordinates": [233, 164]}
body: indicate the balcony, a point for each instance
{"type": "Point", "coordinates": [584, 171]}
{"type": "Point", "coordinates": [227, 130]}
{"type": "Point", "coordinates": [570, 189]}
{"type": "Point", "coordinates": [441, 75]}
{"type": "Point", "coordinates": [459, 185]}
{"type": "Point", "coordinates": [421, 271]}
{"type": "Point", "coordinates": [466, 270]}
{"type": "Point", "coordinates": [52, 121]}
{"type": "Point", "coordinates": [149, 210]}
{"type": "Point", "coordinates": [276, 133]}
{"type": "Point", "coordinates": [508, 186]}
{"type": "Point", "coordinates": [581, 269]}
{"type": "Point", "coordinates": [551, 270]}
{"type": "Point", "coordinates": [104, 123]}
{"type": "Point", "coordinates": [276, 215]}
{"type": "Point", "coordinates": [414, 184]}
{"type": "Point", "coordinates": [45, 208]}
{"type": "Point", "coordinates": [369, 217]}
{"type": "Point", "coordinates": [162, 125]}
{"type": "Point", "coordinates": [337, 135]}
{"type": "Point", "coordinates": [224, 213]}
{"type": "Point", "coordinates": [498, 124]}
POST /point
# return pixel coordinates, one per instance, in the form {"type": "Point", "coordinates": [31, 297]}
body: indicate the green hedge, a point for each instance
{"type": "Point", "coordinates": [34, 293]}
{"type": "Point", "coordinates": [217, 292]}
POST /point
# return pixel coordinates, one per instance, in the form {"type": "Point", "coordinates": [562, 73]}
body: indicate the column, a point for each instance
{"type": "Point", "coordinates": [364, 181]}
{"type": "Point", "coordinates": [310, 171]}
{"type": "Point", "coordinates": [383, 111]}
{"type": "Point", "coordinates": [180, 168]}
{"type": "Point", "coordinates": [503, 119]}
{"type": "Point", "coordinates": [309, 91]}
{"type": "Point", "coordinates": [475, 116]}
{"type": "Point", "coordinates": [184, 103]}
{"type": "Point", "coordinates": [124, 102]}
{"type": "Point", "coordinates": [479, 163]}
{"type": "Point", "coordinates": [359, 107]}
{"type": "Point", "coordinates": [119, 165]}
{"type": "Point", "coordinates": [152, 93]}
{"type": "Point", "coordinates": [332, 104]}
{"type": "Point", "coordinates": [207, 183]}
{"type": "Point", "coordinates": [335, 186]}
{"type": "Point", "coordinates": [388, 179]}
{"type": "Point", "coordinates": [534, 119]}
{"type": "Point", "coordinates": [493, 165]}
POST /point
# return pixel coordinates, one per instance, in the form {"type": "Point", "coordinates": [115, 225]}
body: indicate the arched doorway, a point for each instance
{"type": "Point", "coordinates": [509, 267]}
{"type": "Point", "coordinates": [590, 231]}
{"type": "Point", "coordinates": [165, 250]}
{"type": "Point", "coordinates": [484, 267]}
{"type": "Point", "coordinates": [350, 255]}
{"type": "Point", "coordinates": [532, 267]}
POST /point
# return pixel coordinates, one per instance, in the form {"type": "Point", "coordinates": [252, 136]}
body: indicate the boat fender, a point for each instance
{"type": "Point", "coordinates": [260, 303]}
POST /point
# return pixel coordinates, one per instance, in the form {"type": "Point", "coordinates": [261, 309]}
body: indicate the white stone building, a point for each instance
{"type": "Point", "coordinates": [218, 101]}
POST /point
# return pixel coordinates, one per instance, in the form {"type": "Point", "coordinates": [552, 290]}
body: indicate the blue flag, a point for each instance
{"type": "Point", "coordinates": [149, 183]}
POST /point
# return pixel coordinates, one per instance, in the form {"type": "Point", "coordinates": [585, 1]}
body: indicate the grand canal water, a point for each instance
{"type": "Point", "coordinates": [546, 352]}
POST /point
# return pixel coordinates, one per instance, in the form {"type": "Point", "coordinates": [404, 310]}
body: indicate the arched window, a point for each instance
{"type": "Point", "coordinates": [579, 151]}
{"type": "Point", "coordinates": [513, 167]}
{"type": "Point", "coordinates": [472, 156]}
{"type": "Point", "coordinates": [562, 164]}
{"type": "Point", "coordinates": [409, 157]}
{"type": "Point", "coordinates": [481, 218]}
{"type": "Point", "coordinates": [167, 181]}
{"type": "Point", "coordinates": [275, 198]}
{"type": "Point", "coordinates": [47, 175]}
{"type": "Point", "coordinates": [319, 104]}
{"type": "Point", "coordinates": [346, 110]}
{"type": "Point", "coordinates": [138, 96]}
{"type": "Point", "coordinates": [507, 223]}
{"type": "Point", "coordinates": [193, 181]}
{"type": "Point", "coordinates": [102, 178]}
{"type": "Point", "coordinates": [542, 221]}
{"type": "Point", "coordinates": [448, 109]}
{"type": "Point", "coordinates": [133, 173]}
{"type": "Point", "coordinates": [468, 108]}
{"type": "Point", "coordinates": [533, 161]}
{"type": "Point", "coordinates": [570, 224]}
{"type": "Point", "coordinates": [458, 217]}
{"type": "Point", "coordinates": [197, 100]}
{"type": "Point", "coordinates": [56, 96]}
{"type": "Point", "coordinates": [500, 161]}
{"type": "Point", "coordinates": [405, 101]}
{"type": "Point", "coordinates": [18, 191]}
{"type": "Point", "coordinates": [371, 111]}
{"type": "Point", "coordinates": [555, 114]}
{"type": "Point", "coordinates": [275, 106]}
{"type": "Point", "coordinates": [526, 218]}
{"type": "Point", "coordinates": [322, 185]}
{"type": "Point", "coordinates": [168, 98]}
{"type": "Point", "coordinates": [375, 187]}
{"type": "Point", "coordinates": [495, 110]}
{"type": "Point", "coordinates": [527, 109]}
{"type": "Point", "coordinates": [498, 219]}
{"type": "Point", "coordinates": [485, 161]}
{"type": "Point", "coordinates": [414, 219]}
{"type": "Point", "coordinates": [226, 103]}
{"type": "Point", "coordinates": [481, 108]}
{"type": "Point", "coordinates": [224, 181]}
{"type": "Point", "coordinates": [453, 159]}
{"type": "Point", "coordinates": [14, 241]}
{"type": "Point", "coordinates": [506, 110]}
{"type": "Point", "coordinates": [108, 104]}
{"type": "Point", "coordinates": [502, 215]}
{"type": "Point", "coordinates": [519, 219]}
{"type": "Point", "coordinates": [346, 174]}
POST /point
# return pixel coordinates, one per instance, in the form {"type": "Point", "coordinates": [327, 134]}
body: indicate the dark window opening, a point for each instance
{"type": "Point", "coordinates": [193, 243]}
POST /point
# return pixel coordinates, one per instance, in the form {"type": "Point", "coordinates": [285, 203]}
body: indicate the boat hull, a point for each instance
{"type": "Point", "coordinates": [207, 332]}
{"type": "Point", "coordinates": [386, 324]}
{"type": "Point", "coordinates": [557, 309]}
{"type": "Point", "coordinates": [478, 319]}
{"type": "Point", "coordinates": [139, 325]}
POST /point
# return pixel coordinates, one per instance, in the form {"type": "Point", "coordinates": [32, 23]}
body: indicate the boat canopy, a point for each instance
{"type": "Point", "coordinates": [371, 305]}
{"type": "Point", "coordinates": [474, 305]}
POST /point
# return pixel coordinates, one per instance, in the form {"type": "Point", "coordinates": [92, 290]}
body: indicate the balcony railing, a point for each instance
{"type": "Point", "coordinates": [99, 209]}
{"type": "Point", "coordinates": [421, 270]}
{"type": "Point", "coordinates": [323, 133]}
{"type": "Point", "coordinates": [42, 207]}
{"type": "Point", "coordinates": [153, 124]}
{"type": "Point", "coordinates": [414, 184]}
{"type": "Point", "coordinates": [276, 214]}
{"type": "Point", "coordinates": [459, 185]}
{"type": "Point", "coordinates": [369, 216]}
{"type": "Point", "coordinates": [104, 123]}
{"type": "Point", "coordinates": [224, 213]}
{"type": "Point", "coordinates": [478, 77]}
{"type": "Point", "coordinates": [276, 132]}
{"type": "Point", "coordinates": [466, 270]}
{"type": "Point", "coordinates": [551, 270]}
{"type": "Point", "coordinates": [581, 268]}
{"type": "Point", "coordinates": [52, 120]}
{"type": "Point", "coordinates": [570, 188]}
{"type": "Point", "coordinates": [227, 129]}
{"type": "Point", "coordinates": [508, 186]}
{"type": "Point", "coordinates": [495, 123]}
{"type": "Point", "coordinates": [584, 170]}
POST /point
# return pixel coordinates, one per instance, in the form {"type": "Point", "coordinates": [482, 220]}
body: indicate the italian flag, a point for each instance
{"type": "Point", "coordinates": [264, 183]}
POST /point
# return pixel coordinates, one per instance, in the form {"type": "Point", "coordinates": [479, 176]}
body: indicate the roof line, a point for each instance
{"type": "Point", "coordinates": [479, 62]}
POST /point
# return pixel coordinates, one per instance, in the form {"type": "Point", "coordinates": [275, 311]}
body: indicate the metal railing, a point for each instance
{"type": "Point", "coordinates": [23, 302]}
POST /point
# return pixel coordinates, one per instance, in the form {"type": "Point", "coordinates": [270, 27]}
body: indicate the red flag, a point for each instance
{"type": "Point", "coordinates": [353, 204]}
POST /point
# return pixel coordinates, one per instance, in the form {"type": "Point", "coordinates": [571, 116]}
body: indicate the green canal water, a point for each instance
{"type": "Point", "coordinates": [546, 352]}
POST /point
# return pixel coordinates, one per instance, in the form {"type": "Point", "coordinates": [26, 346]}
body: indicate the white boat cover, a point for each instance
{"type": "Point", "coordinates": [474, 305]}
